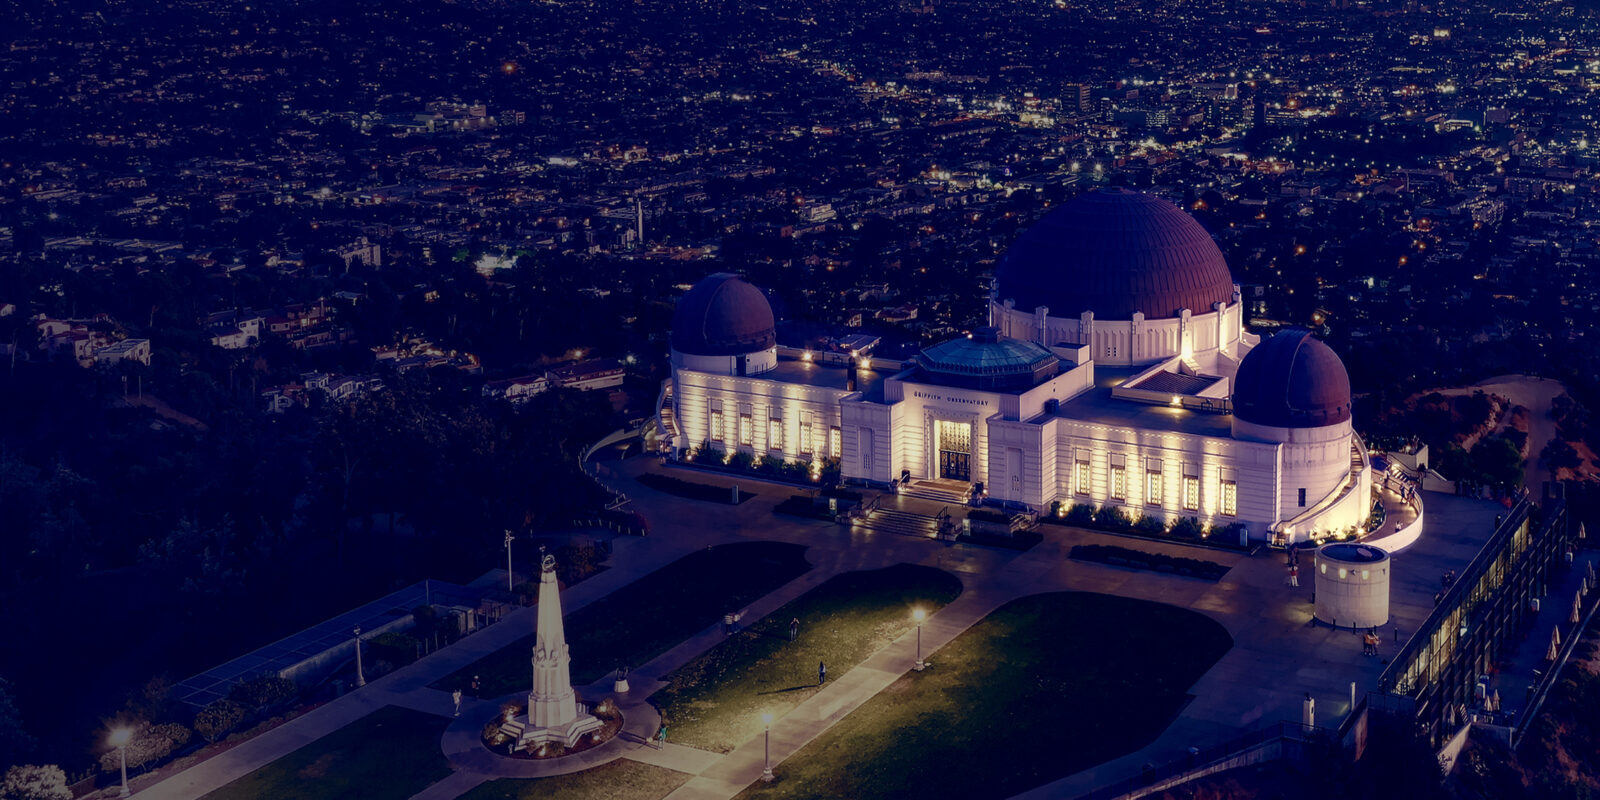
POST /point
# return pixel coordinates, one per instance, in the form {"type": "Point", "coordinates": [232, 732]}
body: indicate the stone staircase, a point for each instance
{"type": "Point", "coordinates": [905, 523]}
{"type": "Point", "coordinates": [950, 492]}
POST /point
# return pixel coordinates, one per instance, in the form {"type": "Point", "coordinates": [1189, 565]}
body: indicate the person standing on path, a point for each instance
{"type": "Point", "coordinates": [456, 696]}
{"type": "Point", "coordinates": [1294, 575]}
{"type": "Point", "coordinates": [794, 628]}
{"type": "Point", "coordinates": [822, 672]}
{"type": "Point", "coordinates": [476, 688]}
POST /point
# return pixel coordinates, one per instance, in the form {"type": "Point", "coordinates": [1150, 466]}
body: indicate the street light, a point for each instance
{"type": "Point", "coordinates": [509, 586]}
{"type": "Point", "coordinates": [119, 740]}
{"type": "Point", "coordinates": [361, 677]}
{"type": "Point", "coordinates": [919, 615]}
{"type": "Point", "coordinates": [766, 769]}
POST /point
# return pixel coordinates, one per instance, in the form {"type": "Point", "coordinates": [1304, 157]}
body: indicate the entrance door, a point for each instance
{"type": "Point", "coordinates": [955, 450]}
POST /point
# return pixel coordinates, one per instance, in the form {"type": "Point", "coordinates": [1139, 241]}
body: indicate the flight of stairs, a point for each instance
{"type": "Point", "coordinates": [905, 523]}
{"type": "Point", "coordinates": [951, 492]}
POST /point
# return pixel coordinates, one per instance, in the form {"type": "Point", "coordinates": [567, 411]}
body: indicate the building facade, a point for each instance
{"type": "Point", "coordinates": [1116, 371]}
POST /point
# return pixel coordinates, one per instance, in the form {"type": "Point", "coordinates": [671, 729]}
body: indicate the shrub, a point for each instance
{"type": "Point", "coordinates": [1080, 514]}
{"type": "Point", "coordinates": [150, 743]}
{"type": "Point", "coordinates": [989, 515]}
{"type": "Point", "coordinates": [1113, 517]}
{"type": "Point", "coordinates": [263, 691]}
{"type": "Point", "coordinates": [1150, 526]}
{"type": "Point", "coordinates": [394, 647]}
{"type": "Point", "coordinates": [1188, 528]}
{"type": "Point", "coordinates": [30, 782]}
{"type": "Point", "coordinates": [218, 719]}
{"type": "Point", "coordinates": [1138, 559]}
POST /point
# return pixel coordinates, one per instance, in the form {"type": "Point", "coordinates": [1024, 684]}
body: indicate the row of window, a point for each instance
{"type": "Point", "coordinates": [808, 434]}
{"type": "Point", "coordinates": [1154, 491]}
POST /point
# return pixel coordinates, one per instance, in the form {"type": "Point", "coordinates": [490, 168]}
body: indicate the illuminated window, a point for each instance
{"type": "Point", "coordinates": [1230, 498]}
{"type": "Point", "coordinates": [716, 426]}
{"type": "Point", "coordinates": [1119, 483]}
{"type": "Point", "coordinates": [1152, 488]}
{"type": "Point", "coordinates": [745, 429]}
{"type": "Point", "coordinates": [1191, 494]}
{"type": "Point", "coordinates": [1081, 477]}
{"type": "Point", "coordinates": [835, 443]}
{"type": "Point", "coordinates": [806, 446]}
{"type": "Point", "coordinates": [775, 434]}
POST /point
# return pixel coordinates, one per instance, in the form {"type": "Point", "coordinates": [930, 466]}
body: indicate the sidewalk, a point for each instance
{"type": "Point", "coordinates": [408, 686]}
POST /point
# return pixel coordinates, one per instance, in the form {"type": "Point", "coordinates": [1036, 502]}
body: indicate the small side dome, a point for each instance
{"type": "Point", "coordinates": [1292, 380]}
{"type": "Point", "coordinates": [723, 315]}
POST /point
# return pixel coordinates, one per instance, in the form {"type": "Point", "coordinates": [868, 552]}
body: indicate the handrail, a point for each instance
{"type": "Point", "coordinates": [1201, 760]}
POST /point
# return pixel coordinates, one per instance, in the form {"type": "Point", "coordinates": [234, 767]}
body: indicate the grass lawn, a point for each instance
{"type": "Point", "coordinates": [619, 780]}
{"type": "Point", "coordinates": [391, 753]}
{"type": "Point", "coordinates": [716, 701]}
{"type": "Point", "coordinates": [1043, 687]}
{"type": "Point", "coordinates": [647, 617]}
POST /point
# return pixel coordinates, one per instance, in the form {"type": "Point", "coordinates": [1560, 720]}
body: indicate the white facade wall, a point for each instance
{"type": "Point", "coordinates": [868, 442]}
{"type": "Point", "coordinates": [1314, 459]}
{"type": "Point", "coordinates": [1252, 466]}
{"type": "Point", "coordinates": [755, 363]}
{"type": "Point", "coordinates": [1141, 340]}
{"type": "Point", "coordinates": [697, 394]}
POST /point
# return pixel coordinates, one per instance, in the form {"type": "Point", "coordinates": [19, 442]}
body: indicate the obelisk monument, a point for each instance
{"type": "Point", "coordinates": [554, 714]}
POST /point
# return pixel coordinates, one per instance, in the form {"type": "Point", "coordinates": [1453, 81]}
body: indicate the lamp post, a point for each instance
{"type": "Point", "coordinates": [919, 615]}
{"type": "Point", "coordinates": [361, 677]}
{"type": "Point", "coordinates": [119, 740]}
{"type": "Point", "coordinates": [766, 769]}
{"type": "Point", "coordinates": [509, 579]}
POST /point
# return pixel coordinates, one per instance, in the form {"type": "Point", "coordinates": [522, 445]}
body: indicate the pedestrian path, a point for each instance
{"type": "Point", "coordinates": [409, 686]}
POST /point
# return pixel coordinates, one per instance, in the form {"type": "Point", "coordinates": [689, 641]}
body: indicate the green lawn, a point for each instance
{"type": "Point", "coordinates": [647, 617]}
{"type": "Point", "coordinates": [619, 780]}
{"type": "Point", "coordinates": [1044, 687]}
{"type": "Point", "coordinates": [391, 753]}
{"type": "Point", "coordinates": [716, 701]}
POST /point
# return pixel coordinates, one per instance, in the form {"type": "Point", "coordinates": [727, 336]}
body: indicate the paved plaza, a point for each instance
{"type": "Point", "coordinates": [1279, 654]}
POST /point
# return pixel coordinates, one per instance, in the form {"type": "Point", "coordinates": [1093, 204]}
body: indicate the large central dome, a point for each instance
{"type": "Point", "coordinates": [1114, 252]}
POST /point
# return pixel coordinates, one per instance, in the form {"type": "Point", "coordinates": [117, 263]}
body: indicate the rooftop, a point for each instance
{"type": "Point", "coordinates": [1098, 406]}
{"type": "Point", "coordinates": [828, 376]}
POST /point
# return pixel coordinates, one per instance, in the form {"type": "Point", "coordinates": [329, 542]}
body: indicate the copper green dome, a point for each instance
{"type": "Point", "coordinates": [985, 361]}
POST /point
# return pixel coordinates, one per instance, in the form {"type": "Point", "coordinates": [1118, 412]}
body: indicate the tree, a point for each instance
{"type": "Point", "coordinates": [263, 691]}
{"type": "Point", "coordinates": [35, 782]}
{"type": "Point", "coordinates": [1558, 455]}
{"type": "Point", "coordinates": [218, 719]}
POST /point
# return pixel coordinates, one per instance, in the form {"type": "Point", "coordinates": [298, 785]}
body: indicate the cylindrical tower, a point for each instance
{"type": "Point", "coordinates": [1352, 583]}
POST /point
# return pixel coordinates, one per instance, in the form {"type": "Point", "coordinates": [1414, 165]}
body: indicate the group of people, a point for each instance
{"type": "Point", "coordinates": [1369, 642]}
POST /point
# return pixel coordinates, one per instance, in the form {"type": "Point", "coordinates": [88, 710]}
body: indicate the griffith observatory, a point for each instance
{"type": "Point", "coordinates": [1115, 370]}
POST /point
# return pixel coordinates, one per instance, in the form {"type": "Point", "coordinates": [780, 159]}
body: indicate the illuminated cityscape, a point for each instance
{"type": "Point", "coordinates": [936, 398]}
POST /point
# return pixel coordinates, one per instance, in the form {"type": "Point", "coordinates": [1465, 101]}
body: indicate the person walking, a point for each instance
{"type": "Point", "coordinates": [794, 628]}
{"type": "Point", "coordinates": [822, 672]}
{"type": "Point", "coordinates": [1294, 576]}
{"type": "Point", "coordinates": [456, 696]}
{"type": "Point", "coordinates": [476, 688]}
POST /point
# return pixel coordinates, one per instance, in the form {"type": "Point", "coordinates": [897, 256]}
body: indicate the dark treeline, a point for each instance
{"type": "Point", "coordinates": [135, 546]}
